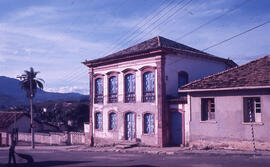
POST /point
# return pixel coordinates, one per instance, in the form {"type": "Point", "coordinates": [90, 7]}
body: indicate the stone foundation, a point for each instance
{"type": "Point", "coordinates": [233, 145]}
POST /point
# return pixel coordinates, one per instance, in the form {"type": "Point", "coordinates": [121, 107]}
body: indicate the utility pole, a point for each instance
{"type": "Point", "coordinates": [252, 120]}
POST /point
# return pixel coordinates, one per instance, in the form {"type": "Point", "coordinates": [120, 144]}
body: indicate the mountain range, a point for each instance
{"type": "Point", "coordinates": [11, 94]}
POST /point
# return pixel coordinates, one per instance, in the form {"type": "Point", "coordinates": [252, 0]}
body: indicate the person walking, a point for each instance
{"type": "Point", "coordinates": [12, 148]}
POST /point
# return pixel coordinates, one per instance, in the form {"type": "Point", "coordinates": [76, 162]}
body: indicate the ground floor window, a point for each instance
{"type": "Point", "coordinates": [148, 123]}
{"type": "Point", "coordinates": [112, 121]}
{"type": "Point", "coordinates": [252, 109]}
{"type": "Point", "coordinates": [208, 109]}
{"type": "Point", "coordinates": [98, 120]}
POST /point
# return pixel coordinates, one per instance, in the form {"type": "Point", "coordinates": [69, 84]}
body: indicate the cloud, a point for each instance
{"type": "Point", "coordinates": [69, 89]}
{"type": "Point", "coordinates": [55, 38]}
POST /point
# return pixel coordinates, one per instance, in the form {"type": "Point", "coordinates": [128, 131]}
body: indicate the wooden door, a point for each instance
{"type": "Point", "coordinates": [176, 128]}
{"type": "Point", "coordinates": [130, 126]}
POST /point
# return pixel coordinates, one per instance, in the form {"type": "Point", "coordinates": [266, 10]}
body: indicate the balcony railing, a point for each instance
{"type": "Point", "coordinates": [148, 96]}
{"type": "Point", "coordinates": [98, 99]}
{"type": "Point", "coordinates": [113, 98]}
{"type": "Point", "coordinates": [130, 97]}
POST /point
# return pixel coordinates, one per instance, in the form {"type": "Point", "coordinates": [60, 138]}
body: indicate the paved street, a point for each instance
{"type": "Point", "coordinates": [43, 158]}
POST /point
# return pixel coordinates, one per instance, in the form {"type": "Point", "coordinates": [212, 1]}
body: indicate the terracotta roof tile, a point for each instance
{"type": "Point", "coordinates": [7, 118]}
{"type": "Point", "coordinates": [154, 44]}
{"type": "Point", "coordinates": [254, 73]}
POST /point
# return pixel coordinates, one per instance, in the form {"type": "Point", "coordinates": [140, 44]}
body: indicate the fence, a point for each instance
{"type": "Point", "coordinates": [52, 138]}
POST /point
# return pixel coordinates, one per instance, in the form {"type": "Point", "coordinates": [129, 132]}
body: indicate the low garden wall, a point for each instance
{"type": "Point", "coordinates": [52, 138]}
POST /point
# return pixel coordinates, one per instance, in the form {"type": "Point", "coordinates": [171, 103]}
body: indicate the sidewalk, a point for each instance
{"type": "Point", "coordinates": [145, 150]}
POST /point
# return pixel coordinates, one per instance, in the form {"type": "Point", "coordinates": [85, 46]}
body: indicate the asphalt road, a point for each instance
{"type": "Point", "coordinates": [100, 159]}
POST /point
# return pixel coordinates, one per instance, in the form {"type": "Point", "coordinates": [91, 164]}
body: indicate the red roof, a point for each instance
{"type": "Point", "coordinates": [253, 74]}
{"type": "Point", "coordinates": [7, 118]}
{"type": "Point", "coordinates": [153, 44]}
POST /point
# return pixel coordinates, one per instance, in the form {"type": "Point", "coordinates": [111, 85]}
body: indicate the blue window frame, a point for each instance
{"type": "Point", "coordinates": [98, 120]}
{"type": "Point", "coordinates": [112, 121]}
{"type": "Point", "coordinates": [182, 79]}
{"type": "Point", "coordinates": [99, 90]}
{"type": "Point", "coordinates": [113, 89]}
{"type": "Point", "coordinates": [130, 88]}
{"type": "Point", "coordinates": [148, 123]}
{"type": "Point", "coordinates": [148, 87]}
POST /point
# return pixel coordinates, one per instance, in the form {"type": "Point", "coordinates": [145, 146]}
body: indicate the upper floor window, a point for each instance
{"type": "Point", "coordinates": [113, 89]}
{"type": "Point", "coordinates": [182, 78]}
{"type": "Point", "coordinates": [112, 121]}
{"type": "Point", "coordinates": [148, 123]}
{"type": "Point", "coordinates": [208, 109]}
{"type": "Point", "coordinates": [99, 90]}
{"type": "Point", "coordinates": [148, 87]}
{"type": "Point", "coordinates": [252, 109]}
{"type": "Point", "coordinates": [130, 88]}
{"type": "Point", "coordinates": [98, 120]}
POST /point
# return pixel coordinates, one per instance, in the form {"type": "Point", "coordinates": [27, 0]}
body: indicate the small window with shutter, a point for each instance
{"type": "Point", "coordinates": [252, 109]}
{"type": "Point", "coordinates": [208, 109]}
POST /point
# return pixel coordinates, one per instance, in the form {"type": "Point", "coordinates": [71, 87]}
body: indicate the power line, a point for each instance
{"type": "Point", "coordinates": [212, 20]}
{"type": "Point", "coordinates": [149, 21]}
{"type": "Point", "coordinates": [69, 75]}
{"type": "Point", "coordinates": [124, 38]}
{"type": "Point", "coordinates": [171, 15]}
{"type": "Point", "coordinates": [164, 21]}
{"type": "Point", "coordinates": [172, 8]}
{"type": "Point", "coordinates": [230, 38]}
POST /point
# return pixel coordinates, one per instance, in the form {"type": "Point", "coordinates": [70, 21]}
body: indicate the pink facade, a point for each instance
{"type": "Point", "coordinates": [129, 94]}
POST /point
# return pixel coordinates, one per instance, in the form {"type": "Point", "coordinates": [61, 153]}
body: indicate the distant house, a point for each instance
{"type": "Point", "coordinates": [221, 107]}
{"type": "Point", "coordinates": [131, 90]}
{"type": "Point", "coordinates": [21, 120]}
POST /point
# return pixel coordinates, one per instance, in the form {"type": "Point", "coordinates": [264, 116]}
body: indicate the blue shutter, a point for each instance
{"type": "Point", "coordinates": [113, 89]}
{"type": "Point", "coordinates": [148, 123]}
{"type": "Point", "coordinates": [99, 90]}
{"type": "Point", "coordinates": [130, 87]}
{"type": "Point", "coordinates": [130, 83]}
{"type": "Point", "coordinates": [113, 121]}
{"type": "Point", "coordinates": [98, 120]}
{"type": "Point", "coordinates": [182, 79]}
{"type": "Point", "coordinates": [113, 85]}
{"type": "Point", "coordinates": [99, 86]}
{"type": "Point", "coordinates": [148, 87]}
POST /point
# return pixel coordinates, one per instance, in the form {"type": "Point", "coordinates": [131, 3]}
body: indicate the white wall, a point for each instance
{"type": "Point", "coordinates": [196, 68]}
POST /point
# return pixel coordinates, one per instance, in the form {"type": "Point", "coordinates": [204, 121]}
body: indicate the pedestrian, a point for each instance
{"type": "Point", "coordinates": [12, 149]}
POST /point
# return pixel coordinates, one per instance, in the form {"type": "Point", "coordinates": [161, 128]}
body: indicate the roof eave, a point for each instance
{"type": "Point", "coordinates": [222, 89]}
{"type": "Point", "coordinates": [228, 62]}
{"type": "Point", "coordinates": [137, 55]}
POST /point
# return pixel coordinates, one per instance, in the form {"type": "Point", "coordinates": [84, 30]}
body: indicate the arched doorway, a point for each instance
{"type": "Point", "coordinates": [130, 126]}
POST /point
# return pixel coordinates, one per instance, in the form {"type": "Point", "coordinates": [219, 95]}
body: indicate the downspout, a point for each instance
{"type": "Point", "coordinates": [91, 132]}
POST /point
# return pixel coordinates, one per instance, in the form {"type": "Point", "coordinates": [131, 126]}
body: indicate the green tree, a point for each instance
{"type": "Point", "coordinates": [30, 83]}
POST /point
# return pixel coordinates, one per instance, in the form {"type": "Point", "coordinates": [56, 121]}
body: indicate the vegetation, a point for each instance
{"type": "Point", "coordinates": [30, 83]}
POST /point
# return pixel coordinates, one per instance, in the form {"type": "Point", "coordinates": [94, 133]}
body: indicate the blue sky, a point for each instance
{"type": "Point", "coordinates": [54, 37]}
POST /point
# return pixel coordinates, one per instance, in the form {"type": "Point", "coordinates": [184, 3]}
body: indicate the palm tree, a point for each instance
{"type": "Point", "coordinates": [30, 83]}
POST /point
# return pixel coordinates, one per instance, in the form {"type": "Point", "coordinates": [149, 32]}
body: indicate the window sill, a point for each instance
{"type": "Point", "coordinates": [112, 130]}
{"type": "Point", "coordinates": [209, 121]}
{"type": "Point", "coordinates": [149, 134]}
{"type": "Point", "coordinates": [252, 123]}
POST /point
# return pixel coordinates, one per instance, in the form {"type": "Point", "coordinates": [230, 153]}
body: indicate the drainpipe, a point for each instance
{"type": "Point", "coordinates": [91, 73]}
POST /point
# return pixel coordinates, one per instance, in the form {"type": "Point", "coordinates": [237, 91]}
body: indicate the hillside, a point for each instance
{"type": "Point", "coordinates": [11, 94]}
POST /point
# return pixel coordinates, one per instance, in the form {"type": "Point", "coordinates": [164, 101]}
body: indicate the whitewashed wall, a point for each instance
{"type": "Point", "coordinates": [196, 68]}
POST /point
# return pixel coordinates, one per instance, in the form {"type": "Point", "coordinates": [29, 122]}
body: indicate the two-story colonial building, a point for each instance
{"type": "Point", "coordinates": [130, 91]}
